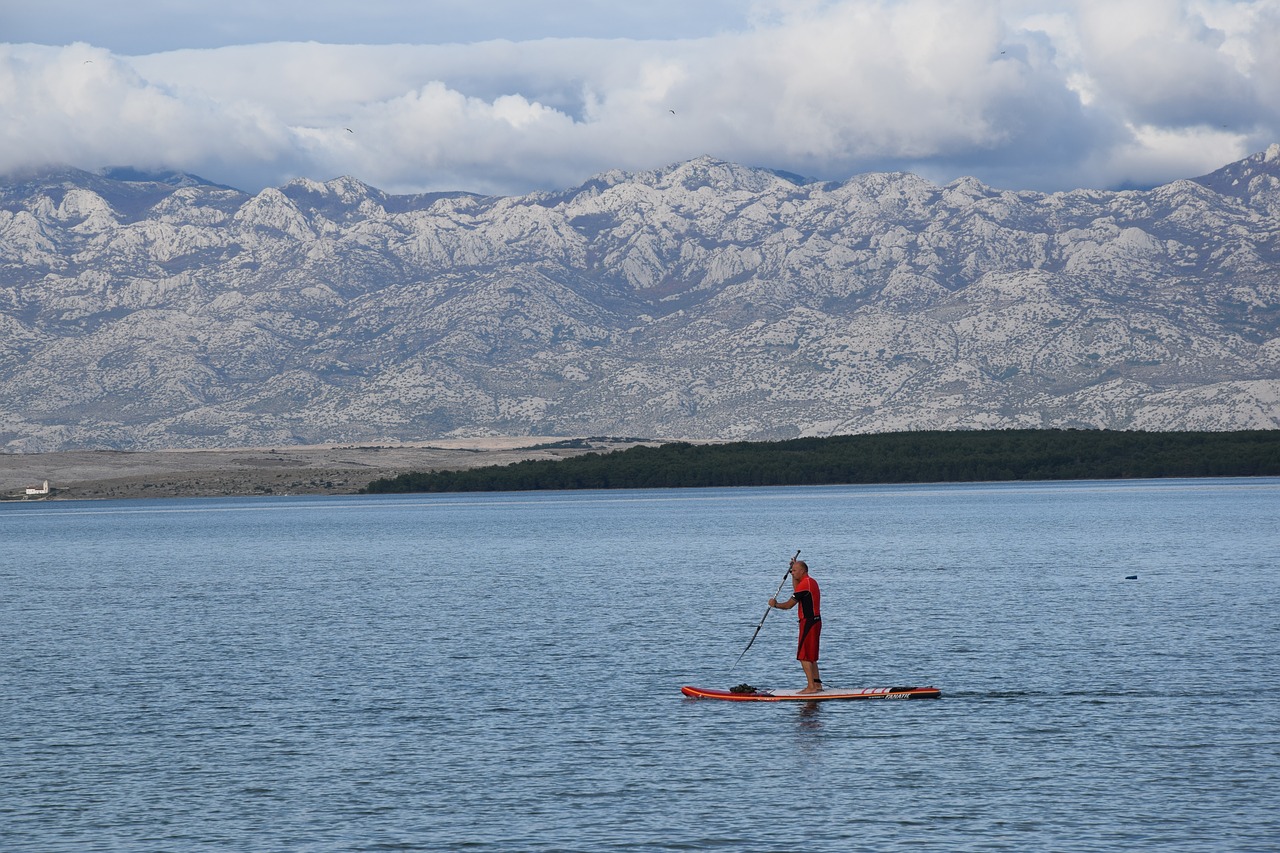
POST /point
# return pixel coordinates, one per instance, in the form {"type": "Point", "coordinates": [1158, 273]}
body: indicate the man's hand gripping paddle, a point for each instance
{"type": "Point", "coordinates": [785, 575]}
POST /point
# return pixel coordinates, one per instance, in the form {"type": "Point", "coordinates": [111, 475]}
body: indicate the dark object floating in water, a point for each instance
{"type": "Point", "coordinates": [1131, 577]}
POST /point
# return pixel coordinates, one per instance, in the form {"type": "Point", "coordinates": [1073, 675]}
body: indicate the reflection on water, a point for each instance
{"type": "Point", "coordinates": [809, 717]}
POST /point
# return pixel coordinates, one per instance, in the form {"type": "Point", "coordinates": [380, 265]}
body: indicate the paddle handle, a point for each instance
{"type": "Point", "coordinates": [785, 575]}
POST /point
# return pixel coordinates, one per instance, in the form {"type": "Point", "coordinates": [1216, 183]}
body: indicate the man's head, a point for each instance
{"type": "Point", "coordinates": [799, 568]}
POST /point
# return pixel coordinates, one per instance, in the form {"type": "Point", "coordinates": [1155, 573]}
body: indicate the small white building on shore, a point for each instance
{"type": "Point", "coordinates": [36, 491]}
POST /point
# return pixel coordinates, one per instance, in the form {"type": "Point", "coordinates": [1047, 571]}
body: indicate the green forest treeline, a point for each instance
{"type": "Point", "coordinates": [904, 457]}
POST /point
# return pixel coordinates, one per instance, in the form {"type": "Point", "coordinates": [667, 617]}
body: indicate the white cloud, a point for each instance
{"type": "Point", "coordinates": [1049, 96]}
{"type": "Point", "coordinates": [1163, 63]}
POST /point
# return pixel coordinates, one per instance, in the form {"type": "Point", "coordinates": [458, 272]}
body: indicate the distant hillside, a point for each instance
{"type": "Point", "coordinates": [706, 300]}
{"type": "Point", "coordinates": [914, 457]}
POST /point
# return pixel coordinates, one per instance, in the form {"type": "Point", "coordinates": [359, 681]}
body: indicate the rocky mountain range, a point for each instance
{"type": "Point", "coordinates": [706, 300]}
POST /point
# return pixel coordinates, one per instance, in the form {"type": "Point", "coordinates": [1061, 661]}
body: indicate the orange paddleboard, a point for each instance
{"type": "Point", "coordinates": [830, 693]}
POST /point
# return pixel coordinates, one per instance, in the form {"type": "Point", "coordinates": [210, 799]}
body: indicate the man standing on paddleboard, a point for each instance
{"type": "Point", "coordinates": [805, 593]}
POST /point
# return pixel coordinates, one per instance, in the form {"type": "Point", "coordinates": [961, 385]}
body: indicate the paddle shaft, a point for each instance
{"type": "Point", "coordinates": [785, 575]}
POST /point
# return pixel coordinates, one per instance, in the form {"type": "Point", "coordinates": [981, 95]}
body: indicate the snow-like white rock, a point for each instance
{"type": "Point", "coordinates": [704, 300]}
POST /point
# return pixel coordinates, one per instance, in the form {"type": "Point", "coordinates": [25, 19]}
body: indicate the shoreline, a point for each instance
{"type": "Point", "coordinates": [295, 470]}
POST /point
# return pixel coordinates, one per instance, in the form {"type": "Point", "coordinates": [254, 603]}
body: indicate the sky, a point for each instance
{"type": "Point", "coordinates": [513, 96]}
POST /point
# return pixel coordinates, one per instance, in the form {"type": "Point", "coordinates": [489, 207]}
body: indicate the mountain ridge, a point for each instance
{"type": "Point", "coordinates": [702, 300]}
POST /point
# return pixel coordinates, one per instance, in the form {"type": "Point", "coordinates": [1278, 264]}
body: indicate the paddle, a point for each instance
{"type": "Point", "coordinates": [767, 609]}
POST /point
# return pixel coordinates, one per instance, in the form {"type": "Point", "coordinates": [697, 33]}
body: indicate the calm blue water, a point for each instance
{"type": "Point", "coordinates": [503, 671]}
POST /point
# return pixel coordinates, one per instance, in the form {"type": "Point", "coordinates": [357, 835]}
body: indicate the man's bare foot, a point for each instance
{"type": "Point", "coordinates": [811, 688]}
